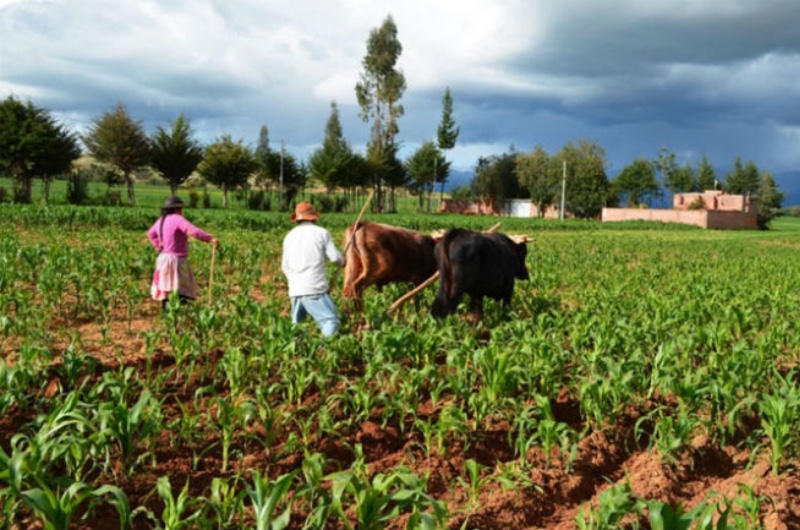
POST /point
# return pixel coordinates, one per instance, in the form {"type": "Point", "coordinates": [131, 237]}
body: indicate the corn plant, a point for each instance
{"type": "Point", "coordinates": [780, 413]}
{"type": "Point", "coordinates": [56, 508]}
{"type": "Point", "coordinates": [128, 426]}
{"type": "Point", "coordinates": [475, 482]}
{"type": "Point", "coordinates": [383, 498]}
{"type": "Point", "coordinates": [180, 513]}
{"type": "Point", "coordinates": [266, 496]}
{"type": "Point", "coordinates": [224, 505]}
{"type": "Point", "coordinates": [313, 493]}
{"type": "Point", "coordinates": [230, 418]}
{"type": "Point", "coordinates": [613, 505]}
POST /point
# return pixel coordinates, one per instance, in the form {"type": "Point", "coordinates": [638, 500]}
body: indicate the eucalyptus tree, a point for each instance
{"type": "Point", "coordinates": [227, 165]}
{"type": "Point", "coordinates": [175, 153]}
{"type": "Point", "coordinates": [33, 145]}
{"type": "Point", "coordinates": [115, 138]}
{"type": "Point", "coordinates": [378, 93]}
{"type": "Point", "coordinates": [446, 134]}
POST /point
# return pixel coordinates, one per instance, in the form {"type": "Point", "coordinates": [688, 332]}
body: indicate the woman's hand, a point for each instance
{"type": "Point", "coordinates": [214, 241]}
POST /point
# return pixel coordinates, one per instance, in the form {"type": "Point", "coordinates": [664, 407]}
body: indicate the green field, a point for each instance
{"type": "Point", "coordinates": [643, 371]}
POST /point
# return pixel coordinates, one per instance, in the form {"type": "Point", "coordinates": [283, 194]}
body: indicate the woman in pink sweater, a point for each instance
{"type": "Point", "coordinates": [170, 236]}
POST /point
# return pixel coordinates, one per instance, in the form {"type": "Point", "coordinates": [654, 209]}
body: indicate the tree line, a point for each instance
{"type": "Point", "coordinates": [579, 168]}
{"type": "Point", "coordinates": [33, 145]}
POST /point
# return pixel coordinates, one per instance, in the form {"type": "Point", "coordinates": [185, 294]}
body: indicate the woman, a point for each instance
{"type": "Point", "coordinates": [170, 236]}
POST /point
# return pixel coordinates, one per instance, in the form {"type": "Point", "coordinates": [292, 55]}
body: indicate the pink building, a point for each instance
{"type": "Point", "coordinates": [710, 209]}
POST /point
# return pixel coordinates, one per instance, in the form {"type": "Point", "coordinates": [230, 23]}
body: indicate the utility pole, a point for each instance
{"type": "Point", "coordinates": [280, 185]}
{"type": "Point", "coordinates": [433, 184]}
{"type": "Point", "coordinates": [563, 190]}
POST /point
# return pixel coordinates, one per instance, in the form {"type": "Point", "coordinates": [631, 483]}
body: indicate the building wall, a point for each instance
{"type": "Point", "coordinates": [701, 218]}
{"type": "Point", "coordinates": [466, 207]}
{"type": "Point", "coordinates": [715, 200]}
{"type": "Point", "coordinates": [513, 208]}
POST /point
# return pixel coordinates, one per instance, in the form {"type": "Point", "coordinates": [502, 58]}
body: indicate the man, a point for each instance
{"type": "Point", "coordinates": [305, 249]}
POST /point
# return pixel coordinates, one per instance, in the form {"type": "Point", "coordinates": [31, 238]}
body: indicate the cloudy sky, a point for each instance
{"type": "Point", "coordinates": [713, 77]}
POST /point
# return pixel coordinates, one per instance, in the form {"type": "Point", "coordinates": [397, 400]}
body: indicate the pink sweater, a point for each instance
{"type": "Point", "coordinates": [176, 231]}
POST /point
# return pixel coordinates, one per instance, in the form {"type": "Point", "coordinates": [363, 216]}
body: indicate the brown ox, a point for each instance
{"type": "Point", "coordinates": [379, 254]}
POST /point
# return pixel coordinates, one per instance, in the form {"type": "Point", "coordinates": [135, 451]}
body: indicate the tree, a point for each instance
{"type": "Point", "coordinates": [743, 179]}
{"type": "Point", "coordinates": [331, 163]}
{"type": "Point", "coordinates": [262, 156]}
{"type": "Point", "coordinates": [495, 179]}
{"type": "Point", "coordinates": [33, 145]}
{"type": "Point", "coordinates": [706, 175]}
{"type": "Point", "coordinates": [769, 200]}
{"type": "Point", "coordinates": [682, 179]}
{"type": "Point", "coordinates": [61, 150]}
{"type": "Point", "coordinates": [176, 154]}
{"type": "Point", "coordinates": [115, 138]}
{"type": "Point", "coordinates": [665, 164]}
{"type": "Point", "coordinates": [587, 183]}
{"type": "Point", "coordinates": [446, 134]}
{"type": "Point", "coordinates": [378, 94]}
{"type": "Point", "coordinates": [421, 167]}
{"type": "Point", "coordinates": [227, 165]}
{"type": "Point", "coordinates": [534, 173]}
{"type": "Point", "coordinates": [636, 182]}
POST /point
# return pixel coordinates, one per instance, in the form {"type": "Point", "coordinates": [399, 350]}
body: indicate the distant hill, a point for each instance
{"type": "Point", "coordinates": [457, 178]}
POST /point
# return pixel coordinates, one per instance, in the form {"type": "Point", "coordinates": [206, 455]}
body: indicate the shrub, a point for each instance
{"type": "Point", "coordinates": [256, 200]}
{"type": "Point", "coordinates": [697, 204]}
{"type": "Point", "coordinates": [194, 199]}
{"type": "Point", "coordinates": [78, 187]}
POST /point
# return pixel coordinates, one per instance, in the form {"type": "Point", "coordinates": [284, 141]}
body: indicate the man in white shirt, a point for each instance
{"type": "Point", "coordinates": [305, 250]}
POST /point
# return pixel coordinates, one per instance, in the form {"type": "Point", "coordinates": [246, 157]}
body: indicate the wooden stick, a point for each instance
{"type": "Point", "coordinates": [424, 285]}
{"type": "Point", "coordinates": [412, 293]}
{"type": "Point", "coordinates": [211, 275]}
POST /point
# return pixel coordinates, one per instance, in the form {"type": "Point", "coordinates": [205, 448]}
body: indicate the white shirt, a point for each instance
{"type": "Point", "coordinates": [305, 249]}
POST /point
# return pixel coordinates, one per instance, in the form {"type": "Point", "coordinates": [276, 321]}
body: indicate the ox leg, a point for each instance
{"type": "Point", "coordinates": [476, 307]}
{"type": "Point", "coordinates": [445, 303]}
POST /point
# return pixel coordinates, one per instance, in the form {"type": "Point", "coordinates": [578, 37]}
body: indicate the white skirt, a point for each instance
{"type": "Point", "coordinates": [172, 274]}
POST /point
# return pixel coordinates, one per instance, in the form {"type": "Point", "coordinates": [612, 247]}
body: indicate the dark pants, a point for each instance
{"type": "Point", "coordinates": [184, 300]}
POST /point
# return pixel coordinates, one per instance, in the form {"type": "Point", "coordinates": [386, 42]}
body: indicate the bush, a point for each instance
{"type": "Point", "coordinates": [697, 204]}
{"type": "Point", "coordinates": [462, 192]}
{"type": "Point", "coordinates": [206, 199]}
{"type": "Point", "coordinates": [258, 200]}
{"type": "Point", "coordinates": [329, 203]}
{"type": "Point", "coordinates": [194, 199]}
{"type": "Point", "coordinates": [78, 187]}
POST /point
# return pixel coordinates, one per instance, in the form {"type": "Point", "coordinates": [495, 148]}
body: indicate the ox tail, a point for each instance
{"type": "Point", "coordinates": [353, 267]}
{"type": "Point", "coordinates": [445, 269]}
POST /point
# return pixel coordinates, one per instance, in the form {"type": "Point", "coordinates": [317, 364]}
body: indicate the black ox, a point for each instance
{"type": "Point", "coordinates": [477, 264]}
